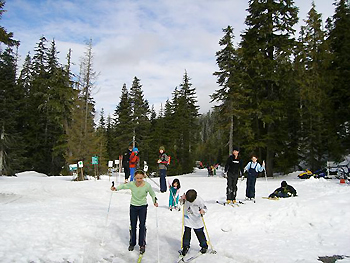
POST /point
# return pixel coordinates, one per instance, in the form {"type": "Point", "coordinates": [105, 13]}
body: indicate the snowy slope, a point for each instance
{"type": "Point", "coordinates": [52, 219]}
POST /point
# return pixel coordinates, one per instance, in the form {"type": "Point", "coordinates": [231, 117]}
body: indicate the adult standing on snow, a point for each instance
{"type": "Point", "coordinates": [253, 168]}
{"type": "Point", "coordinates": [163, 162]}
{"type": "Point", "coordinates": [138, 208]}
{"type": "Point", "coordinates": [233, 168]}
{"type": "Point", "coordinates": [133, 162]}
{"type": "Point", "coordinates": [126, 160]}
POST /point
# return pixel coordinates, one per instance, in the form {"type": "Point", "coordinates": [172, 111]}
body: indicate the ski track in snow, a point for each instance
{"type": "Point", "coordinates": [53, 219]}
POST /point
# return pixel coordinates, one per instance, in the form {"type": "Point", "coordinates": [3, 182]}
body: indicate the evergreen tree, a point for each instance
{"type": "Point", "coordinates": [123, 124]}
{"type": "Point", "coordinates": [11, 98]}
{"type": "Point", "coordinates": [232, 94]}
{"type": "Point", "coordinates": [313, 83]}
{"type": "Point", "coordinates": [140, 118]}
{"type": "Point", "coordinates": [267, 46]}
{"type": "Point", "coordinates": [6, 37]}
{"type": "Point", "coordinates": [339, 41]}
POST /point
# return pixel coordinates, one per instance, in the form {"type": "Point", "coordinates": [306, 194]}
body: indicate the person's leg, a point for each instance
{"type": "Point", "coordinates": [234, 186]}
{"type": "Point", "coordinates": [201, 237]}
{"type": "Point", "coordinates": [253, 187]}
{"type": "Point", "coordinates": [142, 225]}
{"type": "Point", "coordinates": [186, 240]}
{"type": "Point", "coordinates": [247, 191]}
{"type": "Point", "coordinates": [133, 222]}
{"type": "Point", "coordinates": [229, 188]}
{"type": "Point", "coordinates": [132, 172]}
{"type": "Point", "coordinates": [127, 172]}
{"type": "Point", "coordinates": [162, 174]}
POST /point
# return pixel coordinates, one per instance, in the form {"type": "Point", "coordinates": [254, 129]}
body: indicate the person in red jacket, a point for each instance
{"type": "Point", "coordinates": [134, 159]}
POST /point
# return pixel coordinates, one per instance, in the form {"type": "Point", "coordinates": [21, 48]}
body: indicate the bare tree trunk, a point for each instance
{"type": "Point", "coordinates": [2, 137]}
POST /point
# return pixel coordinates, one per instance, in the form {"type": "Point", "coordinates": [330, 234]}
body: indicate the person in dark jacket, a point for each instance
{"type": "Point", "coordinates": [163, 162]}
{"type": "Point", "coordinates": [233, 168]}
{"type": "Point", "coordinates": [284, 191]}
{"type": "Point", "coordinates": [126, 159]}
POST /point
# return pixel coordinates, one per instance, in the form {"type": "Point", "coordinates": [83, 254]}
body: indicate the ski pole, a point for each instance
{"type": "Point", "coordinates": [183, 225]}
{"type": "Point", "coordinates": [157, 232]}
{"type": "Point", "coordinates": [265, 177]}
{"type": "Point", "coordinates": [110, 200]}
{"type": "Point", "coordinates": [206, 230]}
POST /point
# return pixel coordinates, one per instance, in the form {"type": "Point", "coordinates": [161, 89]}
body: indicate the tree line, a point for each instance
{"type": "Point", "coordinates": [282, 96]}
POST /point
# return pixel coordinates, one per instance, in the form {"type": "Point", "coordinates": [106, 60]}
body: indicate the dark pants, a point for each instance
{"type": "Point", "coordinates": [231, 189]}
{"type": "Point", "coordinates": [140, 213]}
{"type": "Point", "coordinates": [200, 235]}
{"type": "Point", "coordinates": [251, 180]}
{"type": "Point", "coordinates": [127, 172]}
{"type": "Point", "coordinates": [162, 174]}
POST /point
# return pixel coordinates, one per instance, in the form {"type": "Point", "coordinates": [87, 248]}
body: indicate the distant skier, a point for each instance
{"type": "Point", "coordinates": [163, 162]}
{"type": "Point", "coordinates": [126, 159]}
{"type": "Point", "coordinates": [194, 209]}
{"type": "Point", "coordinates": [284, 191]}
{"type": "Point", "coordinates": [174, 189]}
{"type": "Point", "coordinates": [138, 208]}
{"type": "Point", "coordinates": [233, 168]}
{"type": "Point", "coordinates": [133, 162]}
{"type": "Point", "coordinates": [253, 168]}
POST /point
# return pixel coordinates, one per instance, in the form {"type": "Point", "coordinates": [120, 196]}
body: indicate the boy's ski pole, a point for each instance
{"type": "Point", "coordinates": [206, 230]}
{"type": "Point", "coordinates": [110, 200]}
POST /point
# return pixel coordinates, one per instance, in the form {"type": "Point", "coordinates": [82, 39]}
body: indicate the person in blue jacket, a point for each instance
{"type": "Point", "coordinates": [253, 168]}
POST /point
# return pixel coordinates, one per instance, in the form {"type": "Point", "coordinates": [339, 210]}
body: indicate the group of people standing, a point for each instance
{"type": "Point", "coordinates": [193, 206]}
{"type": "Point", "coordinates": [234, 169]}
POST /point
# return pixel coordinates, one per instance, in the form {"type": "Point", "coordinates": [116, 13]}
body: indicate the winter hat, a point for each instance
{"type": "Point", "coordinates": [161, 148]}
{"type": "Point", "coordinates": [284, 184]}
{"type": "Point", "coordinates": [135, 150]}
{"type": "Point", "coordinates": [235, 148]}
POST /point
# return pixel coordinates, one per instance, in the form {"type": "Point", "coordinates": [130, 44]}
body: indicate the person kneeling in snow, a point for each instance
{"type": "Point", "coordinates": [194, 209]}
{"type": "Point", "coordinates": [284, 191]}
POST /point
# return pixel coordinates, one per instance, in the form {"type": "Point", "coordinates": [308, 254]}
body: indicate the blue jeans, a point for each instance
{"type": "Point", "coordinates": [138, 213]}
{"type": "Point", "coordinates": [132, 173]}
{"type": "Point", "coordinates": [162, 174]}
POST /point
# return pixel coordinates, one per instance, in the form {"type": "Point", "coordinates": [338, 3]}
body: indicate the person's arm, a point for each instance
{"type": "Point", "coordinates": [122, 186]}
{"type": "Point", "coordinates": [241, 167]}
{"type": "Point", "coordinates": [246, 167]}
{"type": "Point", "coordinates": [152, 194]}
{"type": "Point", "coordinates": [227, 165]}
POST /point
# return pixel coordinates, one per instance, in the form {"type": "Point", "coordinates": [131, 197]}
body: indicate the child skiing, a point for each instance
{"type": "Point", "coordinates": [133, 162]}
{"type": "Point", "coordinates": [233, 168]}
{"type": "Point", "coordinates": [194, 209]}
{"type": "Point", "coordinates": [174, 190]}
{"type": "Point", "coordinates": [138, 208]}
{"type": "Point", "coordinates": [253, 168]}
{"type": "Point", "coordinates": [284, 191]}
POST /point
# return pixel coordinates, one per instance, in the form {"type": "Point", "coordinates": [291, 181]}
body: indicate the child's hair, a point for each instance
{"type": "Point", "coordinates": [140, 172]}
{"type": "Point", "coordinates": [191, 195]}
{"type": "Point", "coordinates": [178, 183]}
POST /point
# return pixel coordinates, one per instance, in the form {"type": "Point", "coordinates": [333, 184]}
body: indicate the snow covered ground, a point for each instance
{"type": "Point", "coordinates": [53, 219]}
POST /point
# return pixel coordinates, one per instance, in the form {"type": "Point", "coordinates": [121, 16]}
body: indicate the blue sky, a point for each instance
{"type": "Point", "coordinates": [155, 40]}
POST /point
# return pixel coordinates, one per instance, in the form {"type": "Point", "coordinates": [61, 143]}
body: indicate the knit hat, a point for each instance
{"type": "Point", "coordinates": [161, 148]}
{"type": "Point", "coordinates": [284, 184]}
{"type": "Point", "coordinates": [135, 150]}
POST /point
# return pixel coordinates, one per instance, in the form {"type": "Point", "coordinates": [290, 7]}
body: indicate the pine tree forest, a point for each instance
{"type": "Point", "coordinates": [282, 94]}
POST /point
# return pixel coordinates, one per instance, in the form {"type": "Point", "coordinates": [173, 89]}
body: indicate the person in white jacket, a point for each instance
{"type": "Point", "coordinates": [253, 168]}
{"type": "Point", "coordinates": [194, 209]}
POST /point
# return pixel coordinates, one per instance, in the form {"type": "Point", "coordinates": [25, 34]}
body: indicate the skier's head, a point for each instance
{"type": "Point", "coordinates": [191, 195]}
{"type": "Point", "coordinates": [139, 174]}
{"type": "Point", "coordinates": [130, 148]}
{"type": "Point", "coordinates": [176, 183]}
{"type": "Point", "coordinates": [235, 151]}
{"type": "Point", "coordinates": [254, 158]}
{"type": "Point", "coordinates": [135, 150]}
{"type": "Point", "coordinates": [284, 184]}
{"type": "Point", "coordinates": [161, 149]}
